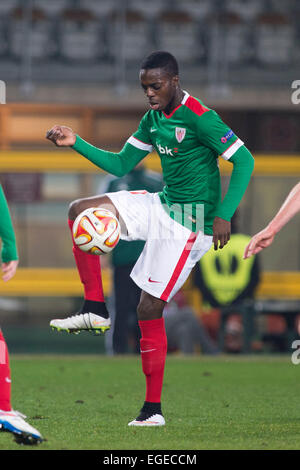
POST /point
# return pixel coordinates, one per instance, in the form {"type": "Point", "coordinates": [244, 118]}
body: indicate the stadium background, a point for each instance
{"type": "Point", "coordinates": [76, 62]}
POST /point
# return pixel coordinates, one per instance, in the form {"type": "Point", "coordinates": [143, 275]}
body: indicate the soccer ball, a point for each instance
{"type": "Point", "coordinates": [96, 231]}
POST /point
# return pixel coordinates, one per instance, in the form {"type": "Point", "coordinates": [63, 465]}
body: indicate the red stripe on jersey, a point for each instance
{"type": "Point", "coordinates": [179, 266]}
{"type": "Point", "coordinates": [195, 106]}
{"type": "Point", "coordinates": [171, 114]}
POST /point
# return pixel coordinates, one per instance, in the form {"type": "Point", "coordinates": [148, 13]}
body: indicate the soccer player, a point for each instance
{"type": "Point", "coordinates": [265, 237]}
{"type": "Point", "coordinates": [10, 420]}
{"type": "Point", "coordinates": [179, 224]}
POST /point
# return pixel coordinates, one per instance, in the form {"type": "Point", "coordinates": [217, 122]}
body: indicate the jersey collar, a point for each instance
{"type": "Point", "coordinates": [183, 101]}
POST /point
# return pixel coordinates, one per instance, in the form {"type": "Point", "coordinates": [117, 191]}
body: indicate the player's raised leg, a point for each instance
{"type": "Point", "coordinates": [93, 315]}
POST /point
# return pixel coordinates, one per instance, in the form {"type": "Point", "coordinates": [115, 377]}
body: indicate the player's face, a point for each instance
{"type": "Point", "coordinates": [159, 87]}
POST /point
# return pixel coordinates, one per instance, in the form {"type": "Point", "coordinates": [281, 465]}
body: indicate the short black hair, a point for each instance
{"type": "Point", "coordinates": [163, 60]}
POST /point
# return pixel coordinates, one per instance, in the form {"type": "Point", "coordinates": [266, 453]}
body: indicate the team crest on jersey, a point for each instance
{"type": "Point", "coordinates": [180, 133]}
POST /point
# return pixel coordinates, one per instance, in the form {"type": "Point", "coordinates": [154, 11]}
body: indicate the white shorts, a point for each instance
{"type": "Point", "coordinates": [171, 250]}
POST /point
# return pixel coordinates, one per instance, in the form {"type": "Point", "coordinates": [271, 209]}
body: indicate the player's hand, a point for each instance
{"type": "Point", "coordinates": [258, 242]}
{"type": "Point", "coordinates": [62, 136]}
{"type": "Point", "coordinates": [9, 269]}
{"type": "Point", "coordinates": [221, 232]}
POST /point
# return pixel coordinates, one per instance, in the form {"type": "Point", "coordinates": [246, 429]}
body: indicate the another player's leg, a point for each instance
{"type": "Point", "coordinates": [93, 315]}
{"type": "Point", "coordinates": [153, 354]}
{"type": "Point", "coordinates": [10, 420]}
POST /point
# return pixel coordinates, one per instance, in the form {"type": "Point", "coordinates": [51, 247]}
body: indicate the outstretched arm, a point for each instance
{"type": "Point", "coordinates": [118, 164]}
{"type": "Point", "coordinates": [265, 238]}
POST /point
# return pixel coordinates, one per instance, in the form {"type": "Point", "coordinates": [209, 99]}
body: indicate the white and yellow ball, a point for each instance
{"type": "Point", "coordinates": [96, 231]}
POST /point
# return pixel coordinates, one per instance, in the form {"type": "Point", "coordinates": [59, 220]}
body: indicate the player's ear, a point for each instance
{"type": "Point", "coordinates": [175, 81]}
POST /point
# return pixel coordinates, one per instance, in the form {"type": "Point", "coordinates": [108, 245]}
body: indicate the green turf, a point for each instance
{"type": "Point", "coordinates": [209, 403]}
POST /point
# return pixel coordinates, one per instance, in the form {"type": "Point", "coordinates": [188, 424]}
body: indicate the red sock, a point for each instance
{"type": "Point", "coordinates": [153, 351]}
{"type": "Point", "coordinates": [89, 270]}
{"type": "Point", "coordinates": [5, 404]}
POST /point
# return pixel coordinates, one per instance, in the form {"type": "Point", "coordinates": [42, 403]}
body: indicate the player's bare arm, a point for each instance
{"type": "Point", "coordinates": [260, 241]}
{"type": "Point", "coordinates": [221, 232]}
{"type": "Point", "coordinates": [265, 237]}
{"type": "Point", "coordinates": [61, 136]}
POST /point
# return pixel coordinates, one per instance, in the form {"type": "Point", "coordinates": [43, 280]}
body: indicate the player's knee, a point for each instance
{"type": "Point", "coordinates": [150, 308]}
{"type": "Point", "coordinates": [145, 311]}
{"type": "Point", "coordinates": [75, 208]}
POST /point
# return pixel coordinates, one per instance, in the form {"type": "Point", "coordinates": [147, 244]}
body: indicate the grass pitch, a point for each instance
{"type": "Point", "coordinates": [85, 403]}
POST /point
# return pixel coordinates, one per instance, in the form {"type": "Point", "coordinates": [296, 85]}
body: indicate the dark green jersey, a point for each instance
{"type": "Point", "coordinates": [188, 142]}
